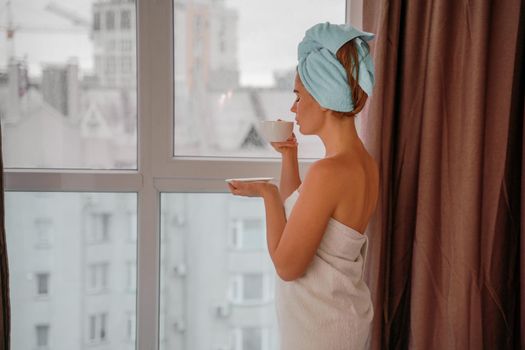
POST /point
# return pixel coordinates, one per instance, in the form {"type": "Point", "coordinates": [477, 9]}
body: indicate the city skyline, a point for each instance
{"type": "Point", "coordinates": [262, 49]}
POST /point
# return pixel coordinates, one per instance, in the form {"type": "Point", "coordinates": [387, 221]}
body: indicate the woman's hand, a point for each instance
{"type": "Point", "coordinates": [250, 189]}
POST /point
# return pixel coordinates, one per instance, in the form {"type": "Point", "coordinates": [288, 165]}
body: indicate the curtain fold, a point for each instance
{"type": "Point", "coordinates": [5, 312]}
{"type": "Point", "coordinates": [445, 123]}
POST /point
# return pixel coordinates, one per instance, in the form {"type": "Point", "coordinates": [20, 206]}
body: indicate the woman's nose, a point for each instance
{"type": "Point", "coordinates": [293, 109]}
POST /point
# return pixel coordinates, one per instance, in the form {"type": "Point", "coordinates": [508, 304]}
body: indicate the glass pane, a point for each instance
{"type": "Point", "coordinates": [252, 339]}
{"type": "Point", "coordinates": [253, 286]}
{"type": "Point", "coordinates": [253, 234]}
{"type": "Point", "coordinates": [75, 293]}
{"type": "Point", "coordinates": [235, 66]}
{"type": "Point", "coordinates": [206, 286]}
{"type": "Point", "coordinates": [75, 105]}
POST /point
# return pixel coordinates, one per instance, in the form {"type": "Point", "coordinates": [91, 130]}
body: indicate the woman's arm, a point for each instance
{"type": "Point", "coordinates": [275, 219]}
{"type": "Point", "coordinates": [290, 179]}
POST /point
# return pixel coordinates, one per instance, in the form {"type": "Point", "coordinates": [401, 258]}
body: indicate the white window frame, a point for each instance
{"type": "Point", "coordinates": [157, 170]}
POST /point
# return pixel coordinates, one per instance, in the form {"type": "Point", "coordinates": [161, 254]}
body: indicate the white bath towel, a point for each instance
{"type": "Point", "coordinates": [329, 308]}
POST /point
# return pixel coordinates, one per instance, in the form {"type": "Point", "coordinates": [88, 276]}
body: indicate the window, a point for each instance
{"type": "Point", "coordinates": [76, 273]}
{"type": "Point", "coordinates": [98, 277]}
{"type": "Point", "coordinates": [251, 338]}
{"type": "Point", "coordinates": [98, 332]}
{"type": "Point", "coordinates": [43, 229]}
{"type": "Point", "coordinates": [42, 336]}
{"type": "Point", "coordinates": [250, 288]}
{"type": "Point", "coordinates": [249, 234]}
{"type": "Point", "coordinates": [42, 284]}
{"type": "Point", "coordinates": [125, 19]}
{"type": "Point", "coordinates": [130, 326]}
{"type": "Point", "coordinates": [184, 262]}
{"type": "Point", "coordinates": [96, 21]}
{"type": "Point", "coordinates": [126, 45]}
{"type": "Point", "coordinates": [227, 83]}
{"type": "Point", "coordinates": [49, 100]}
{"type": "Point", "coordinates": [100, 227]}
{"type": "Point", "coordinates": [110, 20]}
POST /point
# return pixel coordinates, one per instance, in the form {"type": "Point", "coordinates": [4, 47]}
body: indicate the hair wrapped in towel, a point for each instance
{"type": "Point", "coordinates": [321, 72]}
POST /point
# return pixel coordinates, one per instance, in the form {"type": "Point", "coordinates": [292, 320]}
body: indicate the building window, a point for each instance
{"type": "Point", "coordinates": [251, 338]}
{"type": "Point", "coordinates": [98, 332]}
{"type": "Point", "coordinates": [125, 19]}
{"type": "Point", "coordinates": [42, 336]}
{"type": "Point", "coordinates": [96, 21]}
{"type": "Point", "coordinates": [42, 284]}
{"type": "Point", "coordinates": [250, 288]}
{"type": "Point", "coordinates": [130, 326]}
{"type": "Point", "coordinates": [110, 20]}
{"type": "Point", "coordinates": [43, 229]}
{"type": "Point", "coordinates": [100, 227]}
{"type": "Point", "coordinates": [98, 277]}
{"type": "Point", "coordinates": [126, 45]}
{"type": "Point", "coordinates": [248, 234]}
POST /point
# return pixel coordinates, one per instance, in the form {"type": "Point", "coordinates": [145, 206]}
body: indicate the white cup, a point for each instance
{"type": "Point", "coordinates": [276, 130]}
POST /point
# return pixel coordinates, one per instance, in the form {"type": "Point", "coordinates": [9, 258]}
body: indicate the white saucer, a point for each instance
{"type": "Point", "coordinates": [251, 179]}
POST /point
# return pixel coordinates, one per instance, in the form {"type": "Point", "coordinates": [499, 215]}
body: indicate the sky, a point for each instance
{"type": "Point", "coordinates": [268, 36]}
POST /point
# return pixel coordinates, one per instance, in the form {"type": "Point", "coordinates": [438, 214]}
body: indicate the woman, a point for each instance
{"type": "Point", "coordinates": [315, 229]}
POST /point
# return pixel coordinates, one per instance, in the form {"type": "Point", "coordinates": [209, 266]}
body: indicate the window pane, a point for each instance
{"type": "Point", "coordinates": [42, 283]}
{"type": "Point", "coordinates": [252, 339]}
{"type": "Point", "coordinates": [253, 234]}
{"type": "Point", "coordinates": [73, 106]}
{"type": "Point", "coordinates": [252, 286]}
{"type": "Point", "coordinates": [235, 66]}
{"type": "Point", "coordinates": [42, 335]}
{"type": "Point", "coordinates": [87, 298]}
{"type": "Point", "coordinates": [206, 286]}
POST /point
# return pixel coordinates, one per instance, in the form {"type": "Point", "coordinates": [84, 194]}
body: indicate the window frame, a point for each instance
{"type": "Point", "coordinates": [157, 170]}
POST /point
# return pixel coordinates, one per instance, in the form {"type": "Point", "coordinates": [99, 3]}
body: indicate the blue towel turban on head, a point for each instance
{"type": "Point", "coordinates": [321, 72]}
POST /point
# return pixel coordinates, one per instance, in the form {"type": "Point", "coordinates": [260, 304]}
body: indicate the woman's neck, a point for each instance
{"type": "Point", "coordinates": [340, 137]}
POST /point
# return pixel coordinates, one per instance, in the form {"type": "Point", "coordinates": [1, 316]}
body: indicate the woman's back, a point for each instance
{"type": "Point", "coordinates": [357, 175]}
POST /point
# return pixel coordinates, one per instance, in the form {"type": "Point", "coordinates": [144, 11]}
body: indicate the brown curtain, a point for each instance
{"type": "Point", "coordinates": [445, 123]}
{"type": "Point", "coordinates": [5, 312]}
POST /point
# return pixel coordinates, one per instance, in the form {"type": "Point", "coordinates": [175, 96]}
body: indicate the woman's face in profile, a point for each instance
{"type": "Point", "coordinates": [309, 115]}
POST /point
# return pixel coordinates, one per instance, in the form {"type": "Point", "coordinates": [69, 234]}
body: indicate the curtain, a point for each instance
{"type": "Point", "coordinates": [445, 123]}
{"type": "Point", "coordinates": [5, 313]}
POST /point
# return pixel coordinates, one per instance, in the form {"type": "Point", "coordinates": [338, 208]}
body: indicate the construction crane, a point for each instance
{"type": "Point", "coordinates": [11, 28]}
{"type": "Point", "coordinates": [68, 14]}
